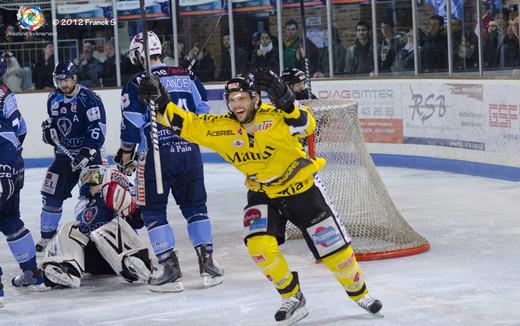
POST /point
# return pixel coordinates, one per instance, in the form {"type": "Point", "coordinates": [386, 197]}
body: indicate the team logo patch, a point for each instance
{"type": "Point", "coordinates": [239, 131]}
{"type": "Point", "coordinates": [125, 101]}
{"type": "Point", "coordinates": [55, 105]}
{"type": "Point", "coordinates": [50, 182]}
{"type": "Point", "coordinates": [90, 214]}
{"type": "Point", "coordinates": [345, 263]}
{"type": "Point", "coordinates": [63, 110]}
{"type": "Point", "coordinates": [258, 259]}
{"type": "Point", "coordinates": [264, 125]}
{"type": "Point", "coordinates": [325, 236]}
{"type": "Point", "coordinates": [253, 219]}
{"type": "Point", "coordinates": [238, 143]}
{"type": "Point", "coordinates": [73, 108]}
{"type": "Point", "coordinates": [93, 114]}
{"type": "Point", "coordinates": [64, 125]}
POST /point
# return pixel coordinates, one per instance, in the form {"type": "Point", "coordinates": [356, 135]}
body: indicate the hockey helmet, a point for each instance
{"type": "Point", "coordinates": [136, 48]}
{"type": "Point", "coordinates": [292, 76]}
{"type": "Point", "coordinates": [240, 83]}
{"type": "Point", "coordinates": [92, 175]}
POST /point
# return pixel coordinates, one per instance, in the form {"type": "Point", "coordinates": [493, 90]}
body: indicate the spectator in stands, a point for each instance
{"type": "Point", "coordinates": [359, 58]}
{"type": "Point", "coordinates": [338, 54]}
{"type": "Point", "coordinates": [465, 56]}
{"type": "Point", "coordinates": [293, 51]}
{"type": "Point", "coordinates": [388, 47]}
{"type": "Point", "coordinates": [2, 24]}
{"type": "Point", "coordinates": [167, 52]}
{"type": "Point", "coordinates": [203, 65]}
{"type": "Point", "coordinates": [109, 72]}
{"type": "Point", "coordinates": [42, 71]}
{"type": "Point", "coordinates": [89, 68]}
{"type": "Point", "coordinates": [511, 44]}
{"type": "Point", "coordinates": [435, 47]}
{"type": "Point", "coordinates": [225, 63]}
{"type": "Point", "coordinates": [14, 74]}
{"type": "Point", "coordinates": [266, 54]}
{"type": "Point", "coordinates": [486, 9]}
{"type": "Point", "coordinates": [181, 53]}
{"type": "Point", "coordinates": [9, 35]}
{"type": "Point", "coordinates": [494, 46]}
{"type": "Point", "coordinates": [253, 45]}
{"type": "Point", "coordinates": [404, 60]}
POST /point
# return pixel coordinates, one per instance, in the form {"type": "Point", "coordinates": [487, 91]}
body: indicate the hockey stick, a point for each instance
{"type": "Point", "coordinates": [56, 141]}
{"type": "Point", "coordinates": [152, 109]}
{"type": "Point", "coordinates": [194, 59]}
{"type": "Point", "coordinates": [305, 59]}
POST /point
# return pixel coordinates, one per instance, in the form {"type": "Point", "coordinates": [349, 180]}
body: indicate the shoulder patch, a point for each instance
{"type": "Point", "coordinates": [93, 114]}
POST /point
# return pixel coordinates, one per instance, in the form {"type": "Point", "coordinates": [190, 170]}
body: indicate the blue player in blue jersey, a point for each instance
{"type": "Point", "coordinates": [181, 164]}
{"type": "Point", "coordinates": [98, 242]}
{"type": "Point", "coordinates": [76, 128]}
{"type": "Point", "coordinates": [19, 239]}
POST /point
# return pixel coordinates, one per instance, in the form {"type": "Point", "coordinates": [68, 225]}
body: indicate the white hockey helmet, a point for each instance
{"type": "Point", "coordinates": [136, 48]}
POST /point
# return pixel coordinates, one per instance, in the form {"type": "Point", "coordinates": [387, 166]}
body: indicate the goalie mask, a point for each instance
{"type": "Point", "coordinates": [136, 48]}
{"type": "Point", "coordinates": [292, 76]}
{"type": "Point", "coordinates": [92, 176]}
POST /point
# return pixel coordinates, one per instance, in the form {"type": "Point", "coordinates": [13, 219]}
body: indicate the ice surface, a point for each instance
{"type": "Point", "coordinates": [471, 275]}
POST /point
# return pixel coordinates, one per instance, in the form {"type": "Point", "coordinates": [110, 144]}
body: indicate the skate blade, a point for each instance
{"type": "Point", "coordinates": [57, 276]}
{"type": "Point", "coordinates": [296, 317]}
{"type": "Point", "coordinates": [209, 281]}
{"type": "Point", "coordinates": [137, 266]}
{"type": "Point", "coordinates": [167, 287]}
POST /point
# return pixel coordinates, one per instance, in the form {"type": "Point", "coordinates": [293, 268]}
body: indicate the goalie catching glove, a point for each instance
{"type": "Point", "coordinates": [279, 93]}
{"type": "Point", "coordinates": [151, 89]}
{"type": "Point", "coordinates": [118, 198]}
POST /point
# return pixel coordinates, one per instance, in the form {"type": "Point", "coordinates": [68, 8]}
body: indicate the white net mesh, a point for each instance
{"type": "Point", "coordinates": [352, 182]}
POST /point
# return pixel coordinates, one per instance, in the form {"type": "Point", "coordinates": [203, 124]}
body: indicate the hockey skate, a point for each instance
{"type": "Point", "coordinates": [42, 244]}
{"type": "Point", "coordinates": [29, 279]}
{"type": "Point", "coordinates": [170, 278]}
{"type": "Point", "coordinates": [210, 272]}
{"type": "Point", "coordinates": [370, 304]}
{"type": "Point", "coordinates": [61, 275]}
{"type": "Point", "coordinates": [292, 310]}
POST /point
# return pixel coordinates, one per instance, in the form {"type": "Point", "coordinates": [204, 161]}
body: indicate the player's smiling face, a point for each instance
{"type": "Point", "coordinates": [242, 105]}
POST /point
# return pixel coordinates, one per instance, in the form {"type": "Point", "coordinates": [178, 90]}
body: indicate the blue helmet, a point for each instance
{"type": "Point", "coordinates": [3, 65]}
{"type": "Point", "coordinates": [64, 70]}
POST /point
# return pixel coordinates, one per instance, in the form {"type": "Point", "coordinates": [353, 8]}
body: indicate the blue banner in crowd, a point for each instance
{"type": "Point", "coordinates": [440, 8]}
{"type": "Point", "coordinates": [126, 10]}
{"type": "Point", "coordinates": [199, 7]}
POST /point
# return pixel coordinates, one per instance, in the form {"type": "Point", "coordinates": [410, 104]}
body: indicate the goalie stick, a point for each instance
{"type": "Point", "coordinates": [152, 109]}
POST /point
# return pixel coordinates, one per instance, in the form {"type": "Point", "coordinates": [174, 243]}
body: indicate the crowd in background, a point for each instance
{"type": "Point", "coordinates": [395, 52]}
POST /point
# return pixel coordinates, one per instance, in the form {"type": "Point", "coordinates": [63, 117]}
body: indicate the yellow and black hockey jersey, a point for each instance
{"type": "Point", "coordinates": [272, 159]}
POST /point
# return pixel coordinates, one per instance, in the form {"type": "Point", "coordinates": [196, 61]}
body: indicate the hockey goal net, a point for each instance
{"type": "Point", "coordinates": [359, 196]}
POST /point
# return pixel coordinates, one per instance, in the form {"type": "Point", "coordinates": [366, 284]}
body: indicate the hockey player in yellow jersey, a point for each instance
{"type": "Point", "coordinates": [262, 141]}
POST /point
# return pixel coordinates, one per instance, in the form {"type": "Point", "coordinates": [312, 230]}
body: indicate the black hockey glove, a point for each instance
{"type": "Point", "coordinates": [128, 167]}
{"type": "Point", "coordinates": [49, 132]}
{"type": "Point", "coordinates": [279, 93]}
{"type": "Point", "coordinates": [151, 89]}
{"type": "Point", "coordinates": [84, 157]}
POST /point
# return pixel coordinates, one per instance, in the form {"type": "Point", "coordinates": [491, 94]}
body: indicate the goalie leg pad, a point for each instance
{"type": "Point", "coordinates": [64, 260]}
{"type": "Point", "coordinates": [264, 251]}
{"type": "Point", "coordinates": [122, 260]}
{"type": "Point", "coordinates": [345, 268]}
